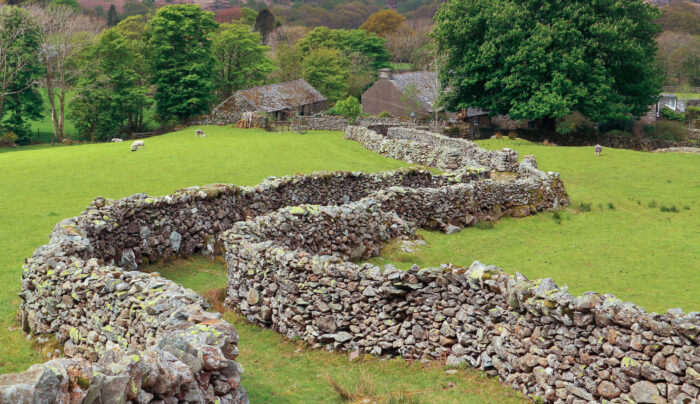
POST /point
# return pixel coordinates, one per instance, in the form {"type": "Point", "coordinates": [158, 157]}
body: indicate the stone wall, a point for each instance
{"type": "Point", "coordinates": [130, 336]}
{"type": "Point", "coordinates": [432, 149]}
{"type": "Point", "coordinates": [532, 334]}
{"type": "Point", "coordinates": [137, 337]}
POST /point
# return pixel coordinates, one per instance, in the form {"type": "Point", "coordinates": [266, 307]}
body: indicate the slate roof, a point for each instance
{"type": "Point", "coordinates": [426, 86]}
{"type": "Point", "coordinates": [276, 97]}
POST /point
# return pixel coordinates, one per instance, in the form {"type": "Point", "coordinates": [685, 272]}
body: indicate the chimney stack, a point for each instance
{"type": "Point", "coordinates": [386, 74]}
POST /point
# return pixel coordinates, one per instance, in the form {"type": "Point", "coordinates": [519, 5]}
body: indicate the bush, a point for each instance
{"type": "Point", "coordinates": [668, 130]}
{"type": "Point", "coordinates": [512, 135]}
{"type": "Point", "coordinates": [671, 208]}
{"type": "Point", "coordinates": [574, 124]}
{"type": "Point", "coordinates": [349, 108]}
{"type": "Point", "coordinates": [384, 114]}
{"type": "Point", "coordinates": [9, 139]}
{"type": "Point", "coordinates": [618, 132]}
{"type": "Point", "coordinates": [671, 115]}
{"type": "Point", "coordinates": [692, 114]}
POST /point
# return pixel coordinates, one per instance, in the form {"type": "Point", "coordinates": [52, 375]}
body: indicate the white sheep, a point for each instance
{"type": "Point", "coordinates": [116, 139]}
{"type": "Point", "coordinates": [137, 145]}
{"type": "Point", "coordinates": [199, 133]}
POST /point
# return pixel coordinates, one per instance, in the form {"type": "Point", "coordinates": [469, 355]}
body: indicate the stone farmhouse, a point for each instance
{"type": "Point", "coordinates": [401, 94]}
{"type": "Point", "coordinates": [280, 101]}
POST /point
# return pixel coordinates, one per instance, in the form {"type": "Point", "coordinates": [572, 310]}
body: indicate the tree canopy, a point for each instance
{"type": "Point", "coordinates": [543, 59]}
{"type": "Point", "coordinates": [242, 60]}
{"type": "Point", "coordinates": [383, 22]}
{"type": "Point", "coordinates": [348, 41]}
{"type": "Point", "coordinates": [327, 71]}
{"type": "Point", "coordinates": [264, 23]}
{"type": "Point", "coordinates": [181, 60]}
{"type": "Point", "coordinates": [20, 70]}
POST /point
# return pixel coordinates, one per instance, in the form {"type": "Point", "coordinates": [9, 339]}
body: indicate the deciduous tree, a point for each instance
{"type": "Point", "coordinates": [545, 59]}
{"type": "Point", "coordinates": [111, 97]}
{"type": "Point", "coordinates": [327, 71]}
{"type": "Point", "coordinates": [20, 71]}
{"type": "Point", "coordinates": [241, 59]}
{"type": "Point", "coordinates": [181, 59]}
{"type": "Point", "coordinates": [383, 22]}
{"type": "Point", "coordinates": [348, 41]}
{"type": "Point", "coordinates": [65, 33]}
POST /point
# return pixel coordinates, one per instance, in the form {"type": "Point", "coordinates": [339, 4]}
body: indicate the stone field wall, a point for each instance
{"type": "Point", "coordinates": [291, 271]}
{"type": "Point", "coordinates": [432, 149]}
{"type": "Point", "coordinates": [291, 245]}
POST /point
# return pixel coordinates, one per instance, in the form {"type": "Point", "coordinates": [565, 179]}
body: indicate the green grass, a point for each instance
{"type": "Point", "coordinates": [687, 96]}
{"type": "Point", "coordinates": [618, 242]}
{"type": "Point", "coordinates": [633, 249]}
{"type": "Point", "coordinates": [283, 371]}
{"type": "Point", "coordinates": [42, 131]}
{"type": "Point", "coordinates": [40, 185]}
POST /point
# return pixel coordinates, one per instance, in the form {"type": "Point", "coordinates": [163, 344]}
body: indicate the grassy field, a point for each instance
{"type": "Point", "coordinates": [687, 96]}
{"type": "Point", "coordinates": [42, 131]}
{"type": "Point", "coordinates": [624, 245]}
{"type": "Point", "coordinates": [639, 241]}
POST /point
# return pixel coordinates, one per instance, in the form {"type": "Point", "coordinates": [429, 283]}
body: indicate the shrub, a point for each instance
{"type": "Point", "coordinates": [384, 114]}
{"type": "Point", "coordinates": [499, 135]}
{"type": "Point", "coordinates": [350, 108]}
{"type": "Point", "coordinates": [611, 206]}
{"type": "Point", "coordinates": [512, 135]}
{"type": "Point", "coordinates": [574, 123]}
{"type": "Point", "coordinates": [692, 114]}
{"type": "Point", "coordinates": [452, 131]}
{"type": "Point", "coordinates": [668, 130]}
{"type": "Point", "coordinates": [672, 115]}
{"type": "Point", "coordinates": [9, 139]}
{"type": "Point", "coordinates": [618, 132]}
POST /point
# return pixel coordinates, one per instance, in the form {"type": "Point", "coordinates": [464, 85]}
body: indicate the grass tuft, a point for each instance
{"type": "Point", "coordinates": [584, 207]}
{"type": "Point", "coordinates": [485, 225]}
{"type": "Point", "coordinates": [672, 209]}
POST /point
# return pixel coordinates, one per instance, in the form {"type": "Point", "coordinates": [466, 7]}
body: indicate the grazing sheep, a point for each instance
{"type": "Point", "coordinates": [199, 133]}
{"type": "Point", "coordinates": [137, 145]}
{"type": "Point", "coordinates": [116, 139]}
{"type": "Point", "coordinates": [598, 150]}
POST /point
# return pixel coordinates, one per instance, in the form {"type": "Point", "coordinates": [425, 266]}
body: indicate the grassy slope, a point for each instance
{"type": "Point", "coordinates": [634, 251]}
{"type": "Point", "coordinates": [42, 184]}
{"type": "Point", "coordinates": [282, 371]}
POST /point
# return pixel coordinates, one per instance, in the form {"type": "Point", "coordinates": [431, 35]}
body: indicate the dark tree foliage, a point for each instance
{"type": "Point", "coordinates": [21, 70]}
{"type": "Point", "coordinates": [181, 59]}
{"type": "Point", "coordinates": [264, 23]}
{"type": "Point", "coordinates": [112, 18]}
{"type": "Point", "coordinates": [543, 59]}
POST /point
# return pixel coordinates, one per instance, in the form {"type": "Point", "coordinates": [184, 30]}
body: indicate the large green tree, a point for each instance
{"type": "Point", "coordinates": [112, 97]}
{"type": "Point", "coordinates": [241, 59]}
{"type": "Point", "coordinates": [182, 63]}
{"type": "Point", "coordinates": [353, 41]}
{"type": "Point", "coordinates": [20, 70]}
{"type": "Point", "coordinates": [543, 59]}
{"type": "Point", "coordinates": [327, 71]}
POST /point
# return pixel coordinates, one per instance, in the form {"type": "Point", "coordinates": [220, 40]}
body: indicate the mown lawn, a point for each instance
{"type": "Point", "coordinates": [640, 240]}
{"type": "Point", "coordinates": [278, 370]}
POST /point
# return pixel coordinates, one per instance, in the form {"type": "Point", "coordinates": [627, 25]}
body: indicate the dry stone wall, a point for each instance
{"type": "Point", "coordinates": [432, 149]}
{"type": "Point", "coordinates": [291, 271]}
{"type": "Point", "coordinates": [135, 337]}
